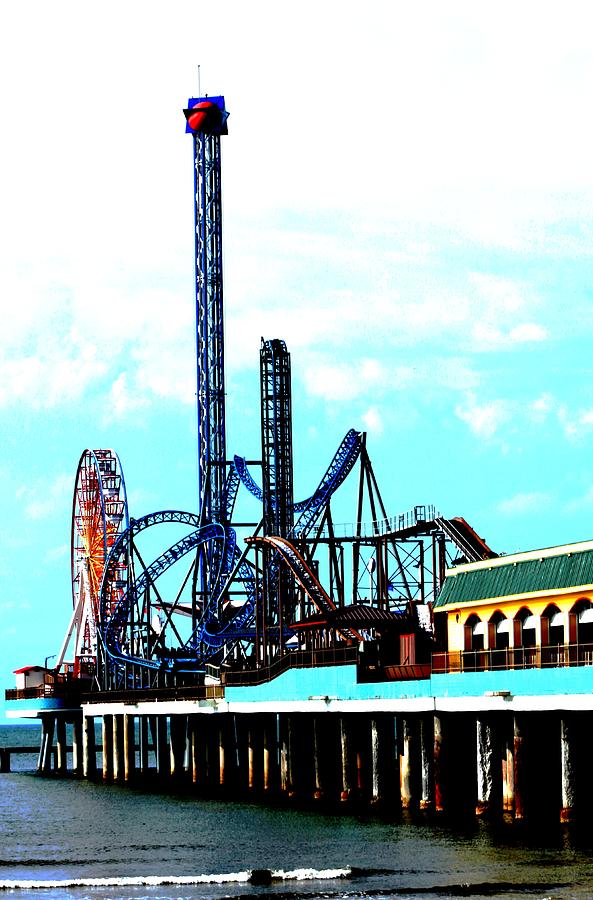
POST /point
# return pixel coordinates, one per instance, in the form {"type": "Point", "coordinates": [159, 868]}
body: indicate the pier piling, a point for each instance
{"type": "Point", "coordinates": [524, 765]}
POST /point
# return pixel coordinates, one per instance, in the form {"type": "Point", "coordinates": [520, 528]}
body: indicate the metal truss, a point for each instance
{"type": "Point", "coordinates": [276, 438]}
{"type": "Point", "coordinates": [209, 326]}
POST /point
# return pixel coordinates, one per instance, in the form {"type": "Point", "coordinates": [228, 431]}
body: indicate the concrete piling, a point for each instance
{"type": "Point", "coordinates": [118, 748]}
{"type": "Point", "coordinates": [144, 742]}
{"type": "Point", "coordinates": [270, 753]}
{"type": "Point", "coordinates": [45, 751]}
{"type": "Point", "coordinates": [163, 752]}
{"type": "Point", "coordinates": [107, 746]}
{"type": "Point", "coordinates": [426, 763]}
{"type": "Point", "coordinates": [178, 741]}
{"type": "Point", "coordinates": [439, 764]}
{"type": "Point", "coordinates": [568, 770]}
{"type": "Point", "coordinates": [519, 767]}
{"type": "Point", "coordinates": [77, 749]}
{"type": "Point", "coordinates": [129, 746]}
{"type": "Point", "coordinates": [62, 762]}
{"type": "Point", "coordinates": [347, 759]}
{"type": "Point", "coordinates": [409, 762]}
{"type": "Point", "coordinates": [508, 780]}
{"type": "Point", "coordinates": [89, 752]}
{"type": "Point", "coordinates": [489, 768]}
{"type": "Point", "coordinates": [377, 768]}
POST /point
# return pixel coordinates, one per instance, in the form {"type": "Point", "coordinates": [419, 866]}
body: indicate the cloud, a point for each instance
{"type": "Point", "coordinates": [576, 426]}
{"type": "Point", "coordinates": [540, 409]}
{"type": "Point", "coordinates": [493, 338]}
{"type": "Point", "coordinates": [484, 419]}
{"type": "Point", "coordinates": [335, 290]}
{"type": "Point", "coordinates": [72, 337]}
{"type": "Point", "coordinates": [342, 381]}
{"type": "Point", "coordinates": [498, 303]}
{"type": "Point", "coordinates": [55, 375]}
{"type": "Point", "coordinates": [373, 421]}
{"type": "Point", "coordinates": [523, 503]}
{"type": "Point", "coordinates": [527, 332]}
{"type": "Point", "coordinates": [121, 401]}
{"type": "Point", "coordinates": [39, 501]}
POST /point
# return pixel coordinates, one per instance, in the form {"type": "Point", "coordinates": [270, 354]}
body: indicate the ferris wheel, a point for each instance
{"type": "Point", "coordinates": [99, 516]}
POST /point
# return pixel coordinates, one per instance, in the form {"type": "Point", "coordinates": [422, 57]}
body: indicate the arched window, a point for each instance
{"type": "Point", "coordinates": [580, 622]}
{"type": "Point", "coordinates": [498, 631]}
{"type": "Point", "coordinates": [552, 626]}
{"type": "Point", "coordinates": [524, 628]}
{"type": "Point", "coordinates": [553, 637]}
{"type": "Point", "coordinates": [473, 633]}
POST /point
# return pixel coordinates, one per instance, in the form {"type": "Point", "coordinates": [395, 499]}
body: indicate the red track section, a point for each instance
{"type": "Point", "coordinates": [464, 536]}
{"type": "Point", "coordinates": [305, 577]}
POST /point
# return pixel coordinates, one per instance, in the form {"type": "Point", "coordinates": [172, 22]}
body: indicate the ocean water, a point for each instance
{"type": "Point", "coordinates": [63, 838]}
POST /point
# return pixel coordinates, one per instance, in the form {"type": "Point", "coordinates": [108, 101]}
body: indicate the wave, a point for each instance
{"type": "Point", "coordinates": [250, 876]}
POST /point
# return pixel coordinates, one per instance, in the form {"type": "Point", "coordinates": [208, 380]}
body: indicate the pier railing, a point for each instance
{"type": "Point", "coordinates": [296, 659]}
{"type": "Point", "coordinates": [49, 689]}
{"type": "Point", "coordinates": [375, 528]}
{"type": "Point", "coordinates": [179, 692]}
{"type": "Point", "coordinates": [552, 656]}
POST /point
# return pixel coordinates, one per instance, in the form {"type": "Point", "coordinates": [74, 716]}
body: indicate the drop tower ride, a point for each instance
{"type": "Point", "coordinates": [206, 121]}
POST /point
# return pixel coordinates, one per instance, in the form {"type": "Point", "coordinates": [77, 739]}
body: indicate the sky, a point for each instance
{"type": "Point", "coordinates": [407, 194]}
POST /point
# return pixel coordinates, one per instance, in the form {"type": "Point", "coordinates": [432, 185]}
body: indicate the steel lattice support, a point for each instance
{"type": "Point", "coordinates": [277, 488]}
{"type": "Point", "coordinates": [206, 120]}
{"type": "Point", "coordinates": [276, 422]}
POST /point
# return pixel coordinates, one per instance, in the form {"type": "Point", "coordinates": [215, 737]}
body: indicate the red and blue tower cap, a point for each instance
{"type": "Point", "coordinates": [206, 115]}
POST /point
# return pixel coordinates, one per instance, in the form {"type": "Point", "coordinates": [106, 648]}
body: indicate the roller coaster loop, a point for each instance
{"type": "Point", "coordinates": [115, 626]}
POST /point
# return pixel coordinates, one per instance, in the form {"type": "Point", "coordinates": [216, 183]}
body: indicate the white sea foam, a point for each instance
{"type": "Point", "coordinates": [158, 880]}
{"type": "Point", "coordinates": [307, 874]}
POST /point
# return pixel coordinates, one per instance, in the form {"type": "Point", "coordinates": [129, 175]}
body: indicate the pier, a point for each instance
{"type": "Point", "coordinates": [392, 663]}
{"type": "Point", "coordinates": [436, 746]}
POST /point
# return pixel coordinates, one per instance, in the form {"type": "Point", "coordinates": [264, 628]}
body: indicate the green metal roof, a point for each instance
{"type": "Point", "coordinates": [527, 576]}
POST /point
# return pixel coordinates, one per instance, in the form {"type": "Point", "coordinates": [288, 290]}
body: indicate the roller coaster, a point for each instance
{"type": "Point", "coordinates": [226, 594]}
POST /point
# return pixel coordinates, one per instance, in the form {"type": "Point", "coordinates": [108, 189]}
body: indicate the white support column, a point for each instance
{"type": "Point", "coordinates": [178, 741]}
{"type": "Point", "coordinates": [47, 737]}
{"type": "Point", "coordinates": [488, 763]}
{"type": "Point", "coordinates": [347, 759]}
{"type": "Point", "coordinates": [89, 752]}
{"type": "Point", "coordinates": [77, 750]}
{"type": "Point", "coordinates": [568, 769]}
{"type": "Point", "coordinates": [426, 763]}
{"type": "Point", "coordinates": [118, 747]}
{"type": "Point", "coordinates": [163, 756]}
{"type": "Point", "coordinates": [107, 744]}
{"type": "Point", "coordinates": [129, 746]}
{"type": "Point", "coordinates": [62, 766]}
{"type": "Point", "coordinates": [407, 762]}
{"type": "Point", "coordinates": [377, 767]}
{"type": "Point", "coordinates": [318, 750]}
{"type": "Point", "coordinates": [144, 742]}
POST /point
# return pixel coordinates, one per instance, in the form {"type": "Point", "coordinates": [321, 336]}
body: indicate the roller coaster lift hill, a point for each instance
{"type": "Point", "coordinates": [228, 596]}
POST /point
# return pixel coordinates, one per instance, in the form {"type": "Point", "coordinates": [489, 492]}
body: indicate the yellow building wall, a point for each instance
{"type": "Point", "coordinates": [509, 607]}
